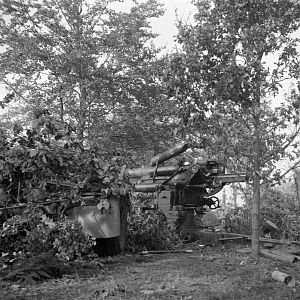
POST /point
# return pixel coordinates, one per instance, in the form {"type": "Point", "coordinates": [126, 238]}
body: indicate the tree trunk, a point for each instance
{"type": "Point", "coordinates": [224, 200]}
{"type": "Point", "coordinates": [256, 160]}
{"type": "Point", "coordinates": [296, 178]}
{"type": "Point", "coordinates": [282, 256]}
{"type": "Point", "coordinates": [82, 112]}
{"type": "Point", "coordinates": [256, 188]}
{"type": "Point", "coordinates": [255, 216]}
{"type": "Point", "coordinates": [234, 196]}
{"type": "Point", "coordinates": [61, 109]}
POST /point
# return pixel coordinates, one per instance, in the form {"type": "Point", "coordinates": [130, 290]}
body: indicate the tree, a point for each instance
{"type": "Point", "coordinates": [297, 187]}
{"type": "Point", "coordinates": [224, 87]}
{"type": "Point", "coordinates": [87, 65]}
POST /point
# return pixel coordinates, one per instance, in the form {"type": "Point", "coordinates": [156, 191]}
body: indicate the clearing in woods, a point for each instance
{"type": "Point", "coordinates": [223, 272]}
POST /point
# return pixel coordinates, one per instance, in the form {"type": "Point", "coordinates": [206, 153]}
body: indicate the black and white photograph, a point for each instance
{"type": "Point", "coordinates": [150, 149]}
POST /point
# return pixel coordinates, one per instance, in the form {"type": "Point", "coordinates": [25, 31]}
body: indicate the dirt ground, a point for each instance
{"type": "Point", "coordinates": [214, 273]}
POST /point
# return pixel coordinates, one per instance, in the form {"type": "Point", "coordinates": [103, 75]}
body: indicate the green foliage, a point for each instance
{"type": "Point", "coordinates": [282, 209]}
{"type": "Point", "coordinates": [50, 171]}
{"type": "Point", "coordinates": [85, 77]}
{"type": "Point", "coordinates": [38, 268]}
{"type": "Point", "coordinates": [51, 161]}
{"type": "Point", "coordinates": [276, 207]}
{"type": "Point", "coordinates": [87, 64]}
{"type": "Point", "coordinates": [225, 88]}
{"type": "Point", "coordinates": [238, 221]}
{"type": "Point", "coordinates": [36, 233]}
{"type": "Point", "coordinates": [69, 240]}
{"type": "Point", "coordinates": [148, 229]}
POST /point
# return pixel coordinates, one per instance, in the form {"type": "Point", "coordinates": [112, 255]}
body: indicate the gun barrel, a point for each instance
{"type": "Point", "coordinates": [161, 171]}
{"type": "Point", "coordinates": [159, 158]}
{"type": "Point", "coordinates": [230, 178]}
{"type": "Point", "coordinates": [146, 188]}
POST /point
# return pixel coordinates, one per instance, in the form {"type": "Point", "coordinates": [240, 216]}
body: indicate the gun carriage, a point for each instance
{"type": "Point", "coordinates": [183, 188]}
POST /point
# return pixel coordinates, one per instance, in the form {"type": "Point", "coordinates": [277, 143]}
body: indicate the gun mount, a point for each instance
{"type": "Point", "coordinates": [185, 187]}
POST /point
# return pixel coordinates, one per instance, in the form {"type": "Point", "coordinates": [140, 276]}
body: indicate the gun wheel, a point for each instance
{"type": "Point", "coordinates": [185, 235]}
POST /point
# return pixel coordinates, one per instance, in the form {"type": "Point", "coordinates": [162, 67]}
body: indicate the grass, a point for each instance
{"type": "Point", "coordinates": [206, 274]}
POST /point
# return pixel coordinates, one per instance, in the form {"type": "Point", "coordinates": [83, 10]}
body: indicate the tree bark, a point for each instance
{"type": "Point", "coordinates": [234, 196]}
{"type": "Point", "coordinates": [256, 160]}
{"type": "Point", "coordinates": [255, 216]}
{"type": "Point", "coordinates": [277, 255]}
{"type": "Point", "coordinates": [296, 178]}
{"type": "Point", "coordinates": [61, 109]}
{"type": "Point", "coordinates": [224, 200]}
{"type": "Point", "coordinates": [82, 112]}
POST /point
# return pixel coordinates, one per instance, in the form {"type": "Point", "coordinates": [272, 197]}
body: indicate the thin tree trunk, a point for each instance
{"type": "Point", "coordinates": [224, 200]}
{"type": "Point", "coordinates": [256, 162]}
{"type": "Point", "coordinates": [234, 196]}
{"type": "Point", "coordinates": [255, 216]}
{"type": "Point", "coordinates": [296, 178]}
{"type": "Point", "coordinates": [82, 112]}
{"type": "Point", "coordinates": [61, 109]}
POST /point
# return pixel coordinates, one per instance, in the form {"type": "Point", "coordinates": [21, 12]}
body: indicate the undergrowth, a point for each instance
{"type": "Point", "coordinates": [27, 236]}
{"type": "Point", "coordinates": [148, 229]}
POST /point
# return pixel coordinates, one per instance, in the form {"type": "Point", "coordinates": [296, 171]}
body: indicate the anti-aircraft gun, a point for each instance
{"type": "Point", "coordinates": [184, 187]}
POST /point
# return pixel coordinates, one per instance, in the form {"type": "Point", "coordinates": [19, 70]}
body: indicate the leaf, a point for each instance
{"type": "Point", "coordinates": [32, 153]}
{"type": "Point", "coordinates": [44, 274]}
{"type": "Point", "coordinates": [61, 162]}
{"type": "Point", "coordinates": [104, 204]}
{"type": "Point", "coordinates": [122, 172]}
{"type": "Point", "coordinates": [47, 221]}
{"type": "Point", "coordinates": [44, 158]}
{"type": "Point", "coordinates": [106, 180]}
{"type": "Point", "coordinates": [17, 129]}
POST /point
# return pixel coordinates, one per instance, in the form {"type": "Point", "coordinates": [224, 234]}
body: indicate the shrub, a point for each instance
{"type": "Point", "coordinates": [286, 219]}
{"type": "Point", "coordinates": [148, 229]}
{"type": "Point", "coordinates": [39, 170]}
{"type": "Point", "coordinates": [238, 221]}
{"type": "Point", "coordinates": [37, 233]}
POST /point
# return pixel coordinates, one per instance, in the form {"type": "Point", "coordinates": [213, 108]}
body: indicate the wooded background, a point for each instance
{"type": "Point", "coordinates": [89, 94]}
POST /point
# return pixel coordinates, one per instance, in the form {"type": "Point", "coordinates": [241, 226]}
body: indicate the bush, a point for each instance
{"type": "Point", "coordinates": [286, 218]}
{"type": "Point", "coordinates": [37, 233]}
{"type": "Point", "coordinates": [53, 172]}
{"type": "Point", "coordinates": [148, 229]}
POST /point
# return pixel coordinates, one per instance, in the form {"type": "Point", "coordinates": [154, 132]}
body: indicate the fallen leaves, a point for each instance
{"type": "Point", "coordinates": [203, 275]}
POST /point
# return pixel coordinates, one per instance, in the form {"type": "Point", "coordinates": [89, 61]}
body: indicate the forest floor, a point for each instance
{"type": "Point", "coordinates": [214, 273]}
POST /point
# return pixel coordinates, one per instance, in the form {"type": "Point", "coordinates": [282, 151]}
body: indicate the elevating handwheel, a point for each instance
{"type": "Point", "coordinates": [214, 203]}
